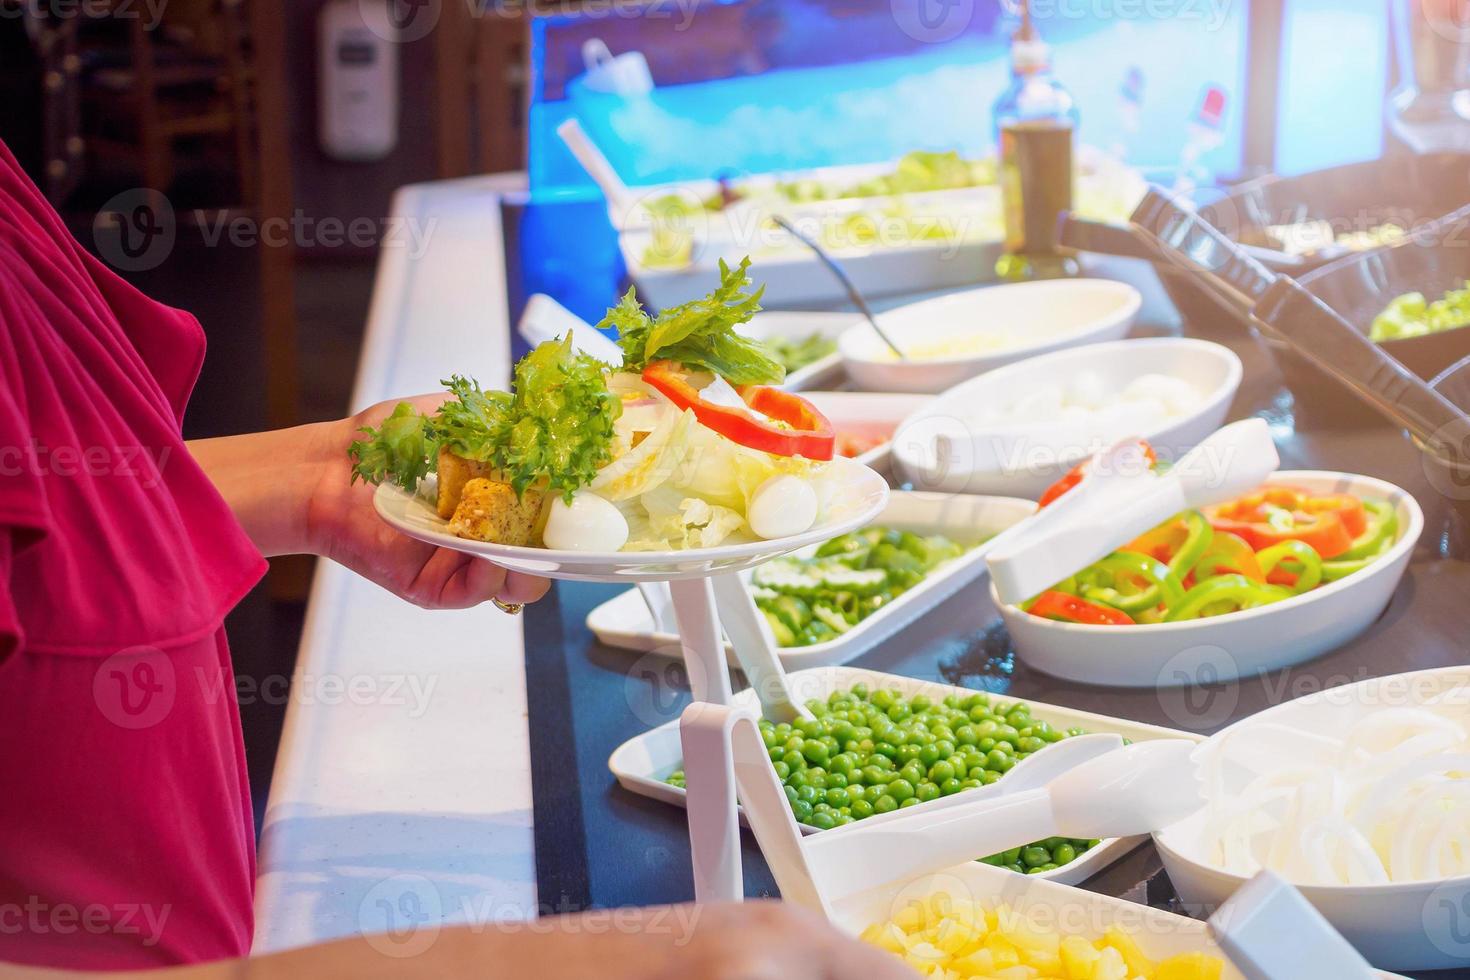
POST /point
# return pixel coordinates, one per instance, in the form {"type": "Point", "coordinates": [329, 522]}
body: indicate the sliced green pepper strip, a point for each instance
{"type": "Point", "coordinates": [1235, 589]}
{"type": "Point", "coordinates": [1164, 586]}
{"type": "Point", "coordinates": [1383, 525]}
{"type": "Point", "coordinates": [1299, 557]}
{"type": "Point", "coordinates": [1198, 540]}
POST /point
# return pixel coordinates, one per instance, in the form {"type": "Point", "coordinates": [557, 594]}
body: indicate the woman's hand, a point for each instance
{"type": "Point", "coordinates": [292, 490]}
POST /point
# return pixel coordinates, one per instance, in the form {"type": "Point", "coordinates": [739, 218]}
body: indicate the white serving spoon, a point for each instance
{"type": "Point", "coordinates": [620, 197]}
{"type": "Point", "coordinates": [1121, 498]}
{"type": "Point", "coordinates": [1121, 792]}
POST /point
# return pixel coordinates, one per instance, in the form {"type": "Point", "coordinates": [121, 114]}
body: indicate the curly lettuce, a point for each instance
{"type": "Point", "coordinates": [554, 432]}
{"type": "Point", "coordinates": [699, 334]}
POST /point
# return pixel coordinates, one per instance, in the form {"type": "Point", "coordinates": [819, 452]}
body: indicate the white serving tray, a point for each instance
{"type": "Point", "coordinates": [625, 621]}
{"type": "Point", "coordinates": [643, 763]}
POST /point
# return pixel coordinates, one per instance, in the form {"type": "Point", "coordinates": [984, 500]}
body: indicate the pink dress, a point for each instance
{"type": "Point", "coordinates": [126, 837]}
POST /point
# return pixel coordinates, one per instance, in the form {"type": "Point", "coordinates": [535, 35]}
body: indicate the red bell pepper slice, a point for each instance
{"type": "Point", "coordinates": [1075, 609]}
{"type": "Point", "coordinates": [1277, 513]}
{"type": "Point", "coordinates": [798, 430]}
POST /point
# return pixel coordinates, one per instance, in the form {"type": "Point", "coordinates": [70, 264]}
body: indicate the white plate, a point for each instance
{"type": "Point", "coordinates": [1407, 926]}
{"type": "Point", "coordinates": [1071, 911]}
{"type": "Point", "coordinates": [861, 497]}
{"type": "Point", "coordinates": [1241, 644]}
{"type": "Point", "coordinates": [643, 763]}
{"type": "Point", "coordinates": [1030, 318]}
{"type": "Point", "coordinates": [626, 622]}
{"type": "Point", "coordinates": [944, 447]}
{"type": "Point", "coordinates": [769, 325]}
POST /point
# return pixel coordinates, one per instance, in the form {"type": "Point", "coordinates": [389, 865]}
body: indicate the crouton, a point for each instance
{"type": "Point", "coordinates": [490, 511]}
{"type": "Point", "coordinates": [454, 472]}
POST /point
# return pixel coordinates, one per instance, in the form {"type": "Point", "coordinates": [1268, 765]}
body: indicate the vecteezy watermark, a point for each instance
{"type": "Point", "coordinates": [135, 688]}
{"type": "Point", "coordinates": [1212, 13]}
{"type": "Point", "coordinates": [135, 231]}
{"type": "Point", "coordinates": [406, 21]}
{"type": "Point", "coordinates": [411, 692]}
{"type": "Point", "coordinates": [1446, 920]}
{"type": "Point", "coordinates": [401, 916]}
{"type": "Point", "coordinates": [933, 21]}
{"type": "Point", "coordinates": [149, 11]}
{"type": "Point", "coordinates": [37, 917]}
{"type": "Point", "coordinates": [142, 463]}
{"type": "Point", "coordinates": [1197, 687]}
{"type": "Point", "coordinates": [305, 231]}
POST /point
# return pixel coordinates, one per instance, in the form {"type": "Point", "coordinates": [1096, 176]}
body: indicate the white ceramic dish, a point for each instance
{"type": "Point", "coordinates": [1405, 926]}
{"type": "Point", "coordinates": [625, 620]}
{"type": "Point", "coordinates": [861, 497]}
{"type": "Point", "coordinates": [1071, 911]}
{"type": "Point", "coordinates": [1241, 644]}
{"type": "Point", "coordinates": [859, 409]}
{"type": "Point", "coordinates": [798, 326]}
{"type": "Point", "coordinates": [1025, 319]}
{"type": "Point", "coordinates": [944, 447]}
{"type": "Point", "coordinates": [643, 763]}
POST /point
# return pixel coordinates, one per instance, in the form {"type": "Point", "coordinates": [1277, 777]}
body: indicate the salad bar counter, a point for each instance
{"type": "Point", "coordinates": [1338, 578]}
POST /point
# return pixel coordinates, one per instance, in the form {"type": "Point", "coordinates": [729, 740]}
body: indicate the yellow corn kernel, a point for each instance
{"type": "Point", "coordinates": [1079, 958]}
{"type": "Point", "coordinates": [1190, 966]}
{"type": "Point", "coordinates": [980, 963]}
{"type": "Point", "coordinates": [910, 918]}
{"type": "Point", "coordinates": [1003, 950]}
{"type": "Point", "coordinates": [1110, 965]}
{"type": "Point", "coordinates": [1133, 958]}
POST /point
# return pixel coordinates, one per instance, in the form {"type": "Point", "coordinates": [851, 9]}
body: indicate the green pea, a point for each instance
{"type": "Point", "coordinates": [885, 804]}
{"type": "Point", "coordinates": [988, 776]}
{"type": "Point", "coordinates": [822, 821]}
{"type": "Point", "coordinates": [836, 780]}
{"type": "Point", "coordinates": [782, 769]}
{"type": "Point", "coordinates": [861, 809]}
{"type": "Point", "coordinates": [996, 759]}
{"type": "Point", "coordinates": [794, 761]}
{"type": "Point", "coordinates": [911, 801]}
{"type": "Point", "coordinates": [816, 778]}
{"type": "Point", "coordinates": [1016, 868]}
{"type": "Point", "coordinates": [797, 779]}
{"type": "Point", "coordinates": [965, 735]}
{"type": "Point", "coordinates": [791, 796]}
{"type": "Point", "coordinates": [815, 752]}
{"type": "Point", "coordinates": [807, 794]}
{"type": "Point", "coordinates": [843, 764]}
{"type": "Point", "coordinates": [1064, 854]}
{"type": "Point", "coordinates": [927, 791]}
{"type": "Point", "coordinates": [950, 787]}
{"type": "Point", "coordinates": [1034, 856]}
{"type": "Point", "coordinates": [802, 810]}
{"type": "Point", "coordinates": [837, 797]}
{"type": "Point", "coordinates": [941, 770]}
{"type": "Point", "coordinates": [901, 789]}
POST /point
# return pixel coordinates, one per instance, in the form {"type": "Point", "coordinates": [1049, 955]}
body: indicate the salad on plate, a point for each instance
{"type": "Point", "coordinates": [686, 444]}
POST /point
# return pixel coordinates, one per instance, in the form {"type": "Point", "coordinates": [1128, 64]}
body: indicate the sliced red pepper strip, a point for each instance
{"type": "Point", "coordinates": [1073, 609]}
{"type": "Point", "coordinates": [1075, 474]}
{"type": "Point", "coordinates": [1277, 513]}
{"type": "Point", "coordinates": [806, 431]}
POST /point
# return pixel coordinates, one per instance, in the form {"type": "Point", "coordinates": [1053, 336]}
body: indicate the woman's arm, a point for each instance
{"type": "Point", "coordinates": [749, 941]}
{"type": "Point", "coordinates": [292, 491]}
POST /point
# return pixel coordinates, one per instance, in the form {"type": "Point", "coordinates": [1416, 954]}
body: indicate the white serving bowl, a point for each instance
{"type": "Point", "coordinates": [1418, 925]}
{"type": "Point", "coordinates": [1240, 644]}
{"type": "Point", "coordinates": [1030, 318]}
{"type": "Point", "coordinates": [945, 447]}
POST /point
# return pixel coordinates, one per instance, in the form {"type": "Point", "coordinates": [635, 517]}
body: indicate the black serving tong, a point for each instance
{"type": "Point", "coordinates": [1166, 230]}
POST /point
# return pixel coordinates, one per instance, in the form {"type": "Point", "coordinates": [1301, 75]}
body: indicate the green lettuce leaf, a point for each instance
{"type": "Point", "coordinates": [699, 334]}
{"type": "Point", "coordinates": [403, 447]}
{"type": "Point", "coordinates": [554, 432]}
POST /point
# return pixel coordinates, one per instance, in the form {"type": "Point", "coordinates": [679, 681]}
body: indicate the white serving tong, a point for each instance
{"type": "Point", "coordinates": [622, 200]}
{"type": "Point", "coordinates": [1119, 498]}
{"type": "Point", "coordinates": [1101, 789]}
{"type": "Point", "coordinates": [545, 319]}
{"type": "Point", "coordinates": [1271, 932]}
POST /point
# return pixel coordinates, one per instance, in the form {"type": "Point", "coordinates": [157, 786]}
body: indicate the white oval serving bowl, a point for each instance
{"type": "Point", "coordinates": [1414, 925]}
{"type": "Point", "coordinates": [1030, 317]}
{"type": "Point", "coordinates": [944, 447]}
{"type": "Point", "coordinates": [1239, 644]}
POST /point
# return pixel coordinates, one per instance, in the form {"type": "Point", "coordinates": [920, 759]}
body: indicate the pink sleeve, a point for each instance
{"type": "Point", "coordinates": [11, 636]}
